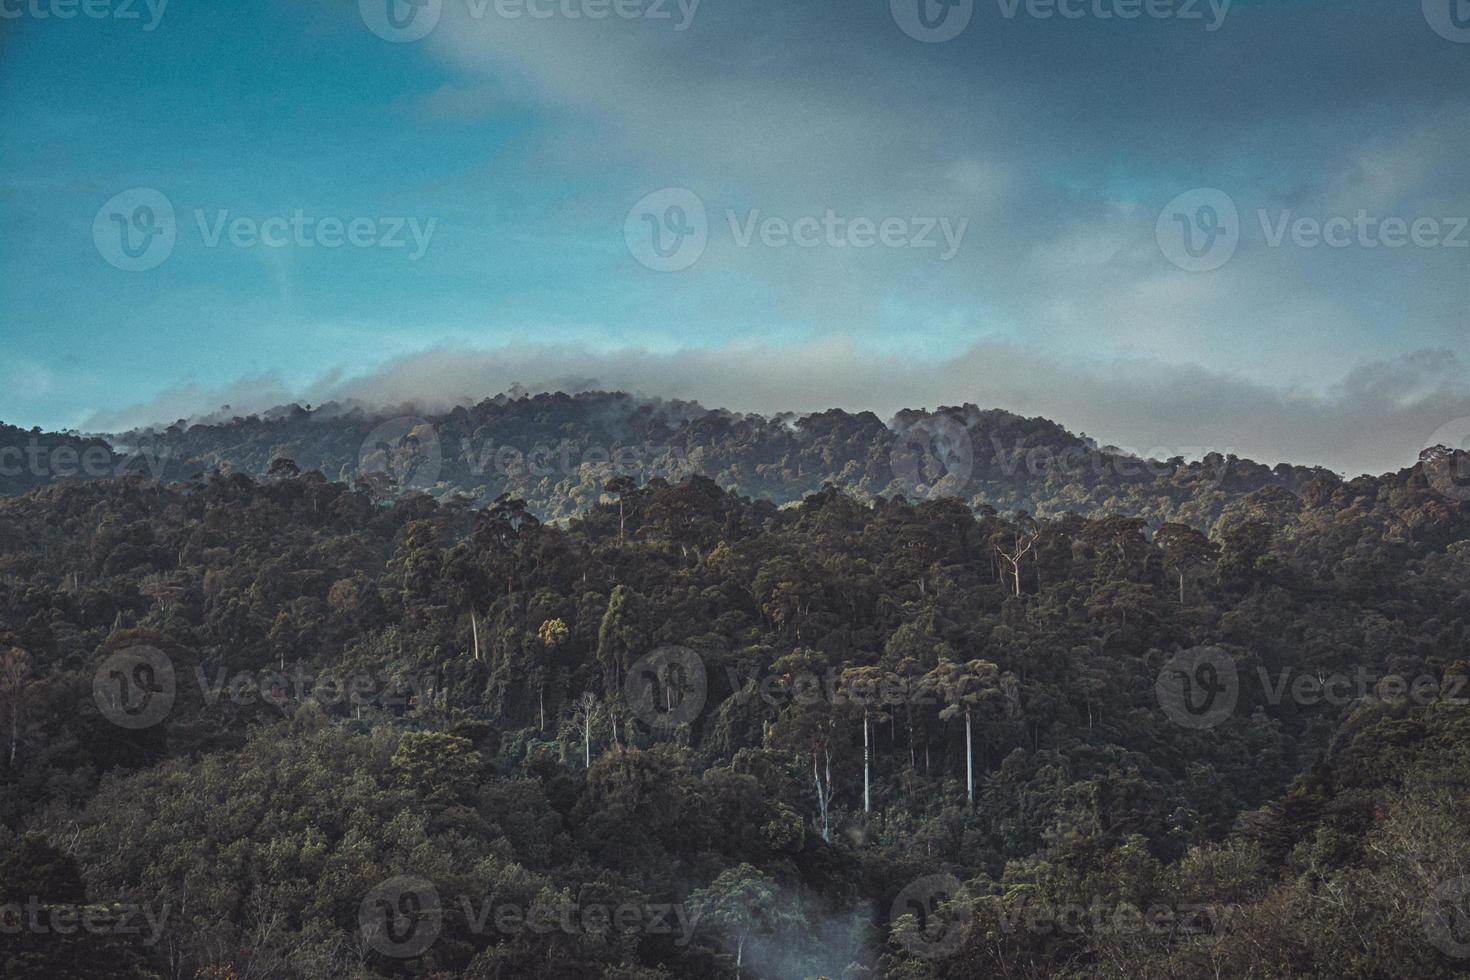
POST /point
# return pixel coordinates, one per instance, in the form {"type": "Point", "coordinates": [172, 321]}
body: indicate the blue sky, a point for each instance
{"type": "Point", "coordinates": [519, 145]}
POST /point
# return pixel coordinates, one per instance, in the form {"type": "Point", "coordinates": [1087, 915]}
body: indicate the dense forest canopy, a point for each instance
{"type": "Point", "coordinates": [959, 696]}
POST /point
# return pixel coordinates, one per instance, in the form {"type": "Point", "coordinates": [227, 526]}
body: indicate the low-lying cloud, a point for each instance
{"type": "Point", "coordinates": [1375, 419]}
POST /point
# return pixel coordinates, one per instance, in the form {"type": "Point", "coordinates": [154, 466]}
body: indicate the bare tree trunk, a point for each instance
{"type": "Point", "coordinates": [822, 794]}
{"type": "Point", "coordinates": [867, 799]}
{"type": "Point", "coordinates": [475, 629]}
{"type": "Point", "coordinates": [969, 761]}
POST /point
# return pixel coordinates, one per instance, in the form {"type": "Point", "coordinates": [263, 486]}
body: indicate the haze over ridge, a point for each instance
{"type": "Point", "coordinates": [1376, 419]}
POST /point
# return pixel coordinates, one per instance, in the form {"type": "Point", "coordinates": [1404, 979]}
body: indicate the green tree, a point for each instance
{"type": "Point", "coordinates": [962, 688]}
{"type": "Point", "coordinates": [742, 903]}
{"type": "Point", "coordinates": [1184, 549]}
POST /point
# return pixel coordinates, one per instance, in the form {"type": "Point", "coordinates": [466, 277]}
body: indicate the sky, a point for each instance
{"type": "Point", "coordinates": [1175, 225]}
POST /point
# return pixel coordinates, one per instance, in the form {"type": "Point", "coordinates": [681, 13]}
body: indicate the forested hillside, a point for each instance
{"type": "Point", "coordinates": [557, 451]}
{"type": "Point", "coordinates": [1170, 725]}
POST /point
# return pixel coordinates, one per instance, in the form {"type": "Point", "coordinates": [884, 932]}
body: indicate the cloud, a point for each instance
{"type": "Point", "coordinates": [1058, 141]}
{"type": "Point", "coordinates": [1375, 419]}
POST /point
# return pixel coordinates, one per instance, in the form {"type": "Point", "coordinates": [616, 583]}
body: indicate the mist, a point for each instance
{"type": "Point", "coordinates": [1375, 419]}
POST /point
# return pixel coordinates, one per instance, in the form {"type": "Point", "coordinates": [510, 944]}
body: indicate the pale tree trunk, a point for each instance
{"type": "Point", "coordinates": [823, 793]}
{"type": "Point", "coordinates": [969, 761]}
{"type": "Point", "coordinates": [541, 706]}
{"type": "Point", "coordinates": [475, 629]}
{"type": "Point", "coordinates": [739, 955]}
{"type": "Point", "coordinates": [867, 800]}
{"type": "Point", "coordinates": [587, 744]}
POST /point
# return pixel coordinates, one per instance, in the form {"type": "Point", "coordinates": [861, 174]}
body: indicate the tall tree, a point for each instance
{"type": "Point", "coordinates": [15, 674]}
{"type": "Point", "coordinates": [1184, 549]}
{"type": "Point", "coordinates": [962, 688]}
{"type": "Point", "coordinates": [863, 687]}
{"type": "Point", "coordinates": [744, 902]}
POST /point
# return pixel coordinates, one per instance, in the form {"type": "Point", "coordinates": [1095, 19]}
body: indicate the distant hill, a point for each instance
{"type": "Point", "coordinates": [558, 452]}
{"type": "Point", "coordinates": [31, 458]}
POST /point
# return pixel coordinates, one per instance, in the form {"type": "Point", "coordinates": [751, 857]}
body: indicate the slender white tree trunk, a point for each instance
{"type": "Point", "coordinates": [867, 799]}
{"type": "Point", "coordinates": [969, 761]}
{"type": "Point", "coordinates": [823, 794]}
